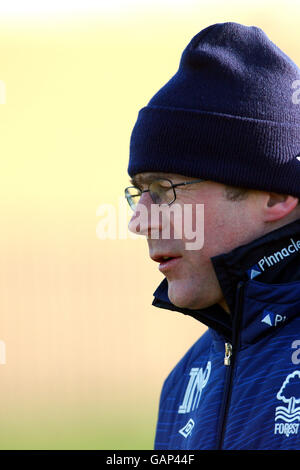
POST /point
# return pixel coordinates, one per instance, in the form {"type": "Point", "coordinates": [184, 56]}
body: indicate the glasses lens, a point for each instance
{"type": "Point", "coordinates": [161, 191]}
{"type": "Point", "coordinates": [132, 195]}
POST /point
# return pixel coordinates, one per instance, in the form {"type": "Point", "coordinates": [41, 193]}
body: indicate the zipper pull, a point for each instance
{"type": "Point", "coordinates": [228, 354]}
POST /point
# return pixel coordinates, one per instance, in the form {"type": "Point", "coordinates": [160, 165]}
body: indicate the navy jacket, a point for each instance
{"type": "Point", "coordinates": [238, 387]}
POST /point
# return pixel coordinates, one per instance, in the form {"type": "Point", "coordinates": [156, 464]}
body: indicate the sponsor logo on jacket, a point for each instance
{"type": "Point", "coordinates": [197, 382]}
{"type": "Point", "coordinates": [276, 257]}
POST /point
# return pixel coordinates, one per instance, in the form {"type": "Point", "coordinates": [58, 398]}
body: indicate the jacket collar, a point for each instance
{"type": "Point", "coordinates": [271, 259]}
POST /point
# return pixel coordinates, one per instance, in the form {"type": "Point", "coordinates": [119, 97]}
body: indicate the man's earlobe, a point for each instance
{"type": "Point", "coordinates": [279, 206]}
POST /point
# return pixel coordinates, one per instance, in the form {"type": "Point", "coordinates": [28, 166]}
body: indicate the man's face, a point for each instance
{"type": "Point", "coordinates": [192, 282]}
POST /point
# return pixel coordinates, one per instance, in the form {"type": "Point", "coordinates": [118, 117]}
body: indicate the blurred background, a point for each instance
{"type": "Point", "coordinates": [83, 352]}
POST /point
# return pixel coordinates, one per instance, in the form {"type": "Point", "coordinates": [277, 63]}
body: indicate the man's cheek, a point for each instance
{"type": "Point", "coordinates": [193, 226]}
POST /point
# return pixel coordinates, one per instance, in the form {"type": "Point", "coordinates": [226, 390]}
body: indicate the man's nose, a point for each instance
{"type": "Point", "coordinates": [140, 223]}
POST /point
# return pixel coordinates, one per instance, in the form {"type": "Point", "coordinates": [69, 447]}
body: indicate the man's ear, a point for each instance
{"type": "Point", "coordinates": [278, 206]}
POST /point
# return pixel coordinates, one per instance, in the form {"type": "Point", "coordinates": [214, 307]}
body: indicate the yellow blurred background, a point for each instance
{"type": "Point", "coordinates": [85, 351]}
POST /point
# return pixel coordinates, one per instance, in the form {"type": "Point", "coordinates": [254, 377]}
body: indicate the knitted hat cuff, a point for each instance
{"type": "Point", "coordinates": [236, 150]}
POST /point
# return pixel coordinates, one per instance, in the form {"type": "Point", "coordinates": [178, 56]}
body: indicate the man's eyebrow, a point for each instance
{"type": "Point", "coordinates": [137, 180]}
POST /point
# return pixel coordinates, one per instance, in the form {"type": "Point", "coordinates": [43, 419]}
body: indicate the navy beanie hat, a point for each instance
{"type": "Point", "coordinates": [228, 115]}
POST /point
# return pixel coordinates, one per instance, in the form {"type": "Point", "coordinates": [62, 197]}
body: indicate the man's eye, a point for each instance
{"type": "Point", "coordinates": [161, 185]}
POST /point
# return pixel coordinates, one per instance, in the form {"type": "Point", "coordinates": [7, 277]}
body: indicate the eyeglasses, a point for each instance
{"type": "Point", "coordinates": [162, 191]}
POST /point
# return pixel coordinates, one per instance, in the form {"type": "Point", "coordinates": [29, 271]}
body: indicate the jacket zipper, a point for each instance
{"type": "Point", "coordinates": [229, 361]}
{"type": "Point", "coordinates": [228, 354]}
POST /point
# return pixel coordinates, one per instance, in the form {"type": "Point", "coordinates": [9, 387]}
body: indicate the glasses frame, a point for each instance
{"type": "Point", "coordinates": [173, 186]}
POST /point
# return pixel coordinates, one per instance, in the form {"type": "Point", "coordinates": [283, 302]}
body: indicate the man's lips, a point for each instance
{"type": "Point", "coordinates": [161, 257]}
{"type": "Point", "coordinates": [167, 261]}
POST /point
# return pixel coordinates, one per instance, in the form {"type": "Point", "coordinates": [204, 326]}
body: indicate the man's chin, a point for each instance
{"type": "Point", "coordinates": [182, 297]}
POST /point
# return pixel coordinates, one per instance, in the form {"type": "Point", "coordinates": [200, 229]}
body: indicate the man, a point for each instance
{"type": "Point", "coordinates": [224, 132]}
